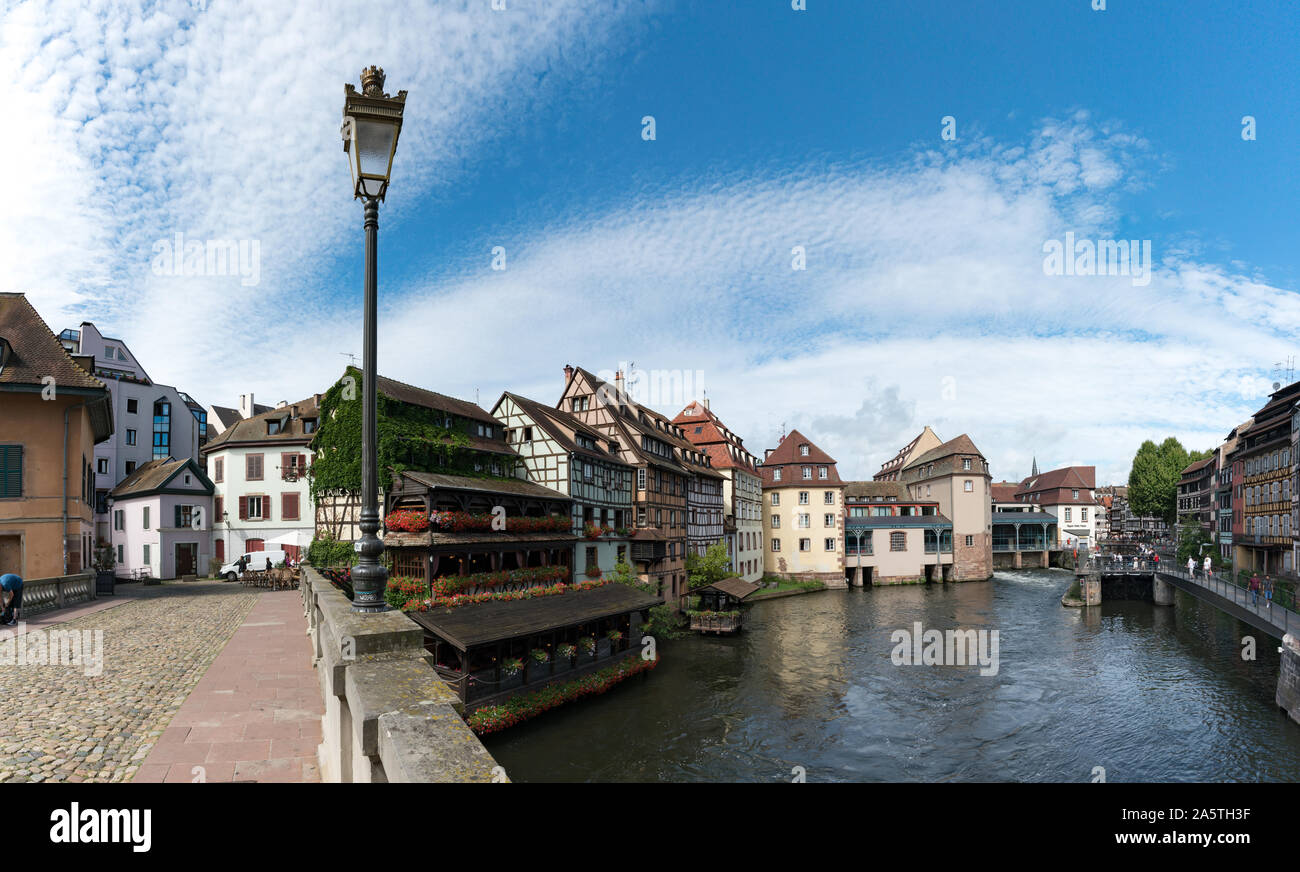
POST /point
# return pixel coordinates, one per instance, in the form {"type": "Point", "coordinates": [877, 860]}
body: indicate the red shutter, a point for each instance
{"type": "Point", "coordinates": [220, 550]}
{"type": "Point", "coordinates": [243, 508]}
{"type": "Point", "coordinates": [302, 463]}
{"type": "Point", "coordinates": [288, 507]}
{"type": "Point", "coordinates": [266, 508]}
{"type": "Point", "coordinates": [216, 515]}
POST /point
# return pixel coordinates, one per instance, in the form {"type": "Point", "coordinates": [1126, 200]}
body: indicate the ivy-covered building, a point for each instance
{"type": "Point", "coordinates": [417, 429]}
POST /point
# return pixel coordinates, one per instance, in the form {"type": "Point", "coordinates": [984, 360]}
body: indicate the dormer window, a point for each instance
{"type": "Point", "coordinates": [309, 425]}
{"type": "Point", "coordinates": [6, 351]}
{"type": "Point", "coordinates": [803, 450]}
{"type": "Point", "coordinates": [272, 427]}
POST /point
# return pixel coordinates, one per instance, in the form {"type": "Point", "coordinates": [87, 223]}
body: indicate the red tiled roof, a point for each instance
{"type": "Point", "coordinates": [787, 456]}
{"type": "Point", "coordinates": [961, 445]}
{"type": "Point", "coordinates": [1065, 477]}
{"type": "Point", "coordinates": [714, 439]}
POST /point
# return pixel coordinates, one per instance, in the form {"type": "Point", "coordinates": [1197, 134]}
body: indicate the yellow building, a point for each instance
{"type": "Point", "coordinates": [802, 512]}
{"type": "Point", "coordinates": [52, 414]}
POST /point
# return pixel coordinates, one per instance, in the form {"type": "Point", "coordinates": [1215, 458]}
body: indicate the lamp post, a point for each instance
{"type": "Point", "coordinates": [372, 122]}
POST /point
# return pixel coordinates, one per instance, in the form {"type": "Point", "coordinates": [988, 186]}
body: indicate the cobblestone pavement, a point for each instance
{"type": "Point", "coordinates": [59, 724]}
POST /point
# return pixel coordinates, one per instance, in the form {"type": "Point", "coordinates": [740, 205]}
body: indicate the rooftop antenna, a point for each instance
{"type": "Point", "coordinates": [1285, 368]}
{"type": "Point", "coordinates": [352, 358]}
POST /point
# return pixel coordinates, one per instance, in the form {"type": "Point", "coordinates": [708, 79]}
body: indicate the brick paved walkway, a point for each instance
{"type": "Point", "coordinates": [256, 713]}
{"type": "Point", "coordinates": [179, 659]}
{"type": "Point", "coordinates": [58, 723]}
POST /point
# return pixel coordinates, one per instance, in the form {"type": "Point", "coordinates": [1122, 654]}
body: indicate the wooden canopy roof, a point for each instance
{"type": "Point", "coordinates": [734, 586]}
{"type": "Point", "coordinates": [466, 627]}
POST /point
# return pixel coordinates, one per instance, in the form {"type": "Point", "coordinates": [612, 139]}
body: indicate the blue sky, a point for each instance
{"type": "Point", "coordinates": [923, 301]}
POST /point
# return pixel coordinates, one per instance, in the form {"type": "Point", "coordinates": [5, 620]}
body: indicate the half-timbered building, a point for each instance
{"type": "Point", "coordinates": [704, 506]}
{"type": "Point", "coordinates": [742, 489]}
{"type": "Point", "coordinates": [562, 453]}
{"type": "Point", "coordinates": [653, 446]}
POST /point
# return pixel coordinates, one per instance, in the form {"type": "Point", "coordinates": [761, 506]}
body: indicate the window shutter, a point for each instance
{"type": "Point", "coordinates": [288, 507]}
{"type": "Point", "coordinates": [302, 462]}
{"type": "Point", "coordinates": [11, 470]}
{"type": "Point", "coordinates": [266, 508]}
{"type": "Point", "coordinates": [216, 516]}
{"type": "Point", "coordinates": [243, 508]}
{"type": "Point", "coordinates": [178, 517]}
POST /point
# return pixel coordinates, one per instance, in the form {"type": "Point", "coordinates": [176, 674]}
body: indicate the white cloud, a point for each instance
{"type": "Point", "coordinates": [219, 120]}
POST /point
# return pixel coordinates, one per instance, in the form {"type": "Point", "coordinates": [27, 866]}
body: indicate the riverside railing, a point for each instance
{"type": "Point", "coordinates": [1254, 602]}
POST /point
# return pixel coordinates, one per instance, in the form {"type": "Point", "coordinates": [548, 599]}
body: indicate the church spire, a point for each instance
{"type": "Point", "coordinates": [1033, 473]}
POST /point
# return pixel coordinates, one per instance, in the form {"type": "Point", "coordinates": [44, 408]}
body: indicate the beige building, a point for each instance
{"type": "Point", "coordinates": [893, 468]}
{"type": "Point", "coordinates": [956, 477]}
{"type": "Point", "coordinates": [891, 538]}
{"type": "Point", "coordinates": [53, 413]}
{"type": "Point", "coordinates": [802, 512]}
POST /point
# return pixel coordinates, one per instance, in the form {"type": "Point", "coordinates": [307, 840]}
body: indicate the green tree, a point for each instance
{"type": "Point", "coordinates": [1191, 536]}
{"type": "Point", "coordinates": [1153, 479]}
{"type": "Point", "coordinates": [624, 574]}
{"type": "Point", "coordinates": [713, 565]}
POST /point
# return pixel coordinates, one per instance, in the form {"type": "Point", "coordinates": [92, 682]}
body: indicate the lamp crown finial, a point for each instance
{"type": "Point", "coordinates": [372, 81]}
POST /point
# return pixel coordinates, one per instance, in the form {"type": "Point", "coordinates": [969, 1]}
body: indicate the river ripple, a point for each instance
{"type": "Point", "coordinates": [1149, 693]}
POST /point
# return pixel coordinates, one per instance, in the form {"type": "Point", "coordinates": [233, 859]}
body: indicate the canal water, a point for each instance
{"type": "Point", "coordinates": [1148, 693]}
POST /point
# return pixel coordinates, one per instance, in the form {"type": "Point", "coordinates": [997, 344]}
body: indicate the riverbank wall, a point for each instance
{"type": "Point", "coordinates": [1288, 678]}
{"type": "Point", "coordinates": [388, 716]}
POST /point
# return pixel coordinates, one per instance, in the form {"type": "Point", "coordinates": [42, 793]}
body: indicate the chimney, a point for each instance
{"type": "Point", "coordinates": [618, 384]}
{"type": "Point", "coordinates": [706, 402]}
{"type": "Point", "coordinates": [568, 374]}
{"type": "Point", "coordinates": [318, 401]}
{"type": "Point", "coordinates": [246, 405]}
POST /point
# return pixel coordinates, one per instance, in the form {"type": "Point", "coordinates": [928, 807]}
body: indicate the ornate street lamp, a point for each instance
{"type": "Point", "coordinates": [371, 123]}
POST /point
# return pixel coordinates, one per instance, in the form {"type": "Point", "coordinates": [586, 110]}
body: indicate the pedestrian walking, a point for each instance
{"type": "Point", "coordinates": [1207, 566]}
{"type": "Point", "coordinates": [1254, 590]}
{"type": "Point", "coordinates": [1268, 592]}
{"type": "Point", "coordinates": [11, 597]}
{"type": "Point", "coordinates": [1191, 566]}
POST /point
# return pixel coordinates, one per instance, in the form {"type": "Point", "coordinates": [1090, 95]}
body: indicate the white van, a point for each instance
{"type": "Point", "coordinates": [256, 562]}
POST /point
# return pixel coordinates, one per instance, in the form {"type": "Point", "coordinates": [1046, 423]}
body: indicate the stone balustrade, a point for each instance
{"type": "Point", "coordinates": [47, 594]}
{"type": "Point", "coordinates": [388, 716]}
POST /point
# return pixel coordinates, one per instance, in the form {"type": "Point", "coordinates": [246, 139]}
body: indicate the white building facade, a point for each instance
{"type": "Point", "coordinates": [258, 467]}
{"type": "Point", "coordinates": [151, 421]}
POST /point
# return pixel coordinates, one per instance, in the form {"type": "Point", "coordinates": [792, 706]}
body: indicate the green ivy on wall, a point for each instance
{"type": "Point", "coordinates": [410, 437]}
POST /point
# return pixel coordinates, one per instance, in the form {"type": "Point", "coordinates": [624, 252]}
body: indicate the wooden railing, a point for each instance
{"type": "Point", "coordinates": [727, 624]}
{"type": "Point", "coordinates": [46, 594]}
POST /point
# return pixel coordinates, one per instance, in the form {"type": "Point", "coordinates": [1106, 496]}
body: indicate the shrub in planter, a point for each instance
{"type": "Point", "coordinates": [566, 651]}
{"type": "Point", "coordinates": [539, 656]}
{"type": "Point", "coordinates": [511, 666]}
